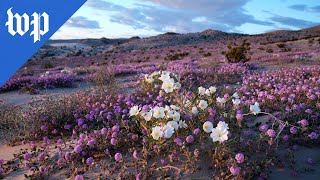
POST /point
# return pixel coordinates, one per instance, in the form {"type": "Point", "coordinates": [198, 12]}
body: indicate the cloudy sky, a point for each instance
{"type": "Point", "coordinates": [115, 19]}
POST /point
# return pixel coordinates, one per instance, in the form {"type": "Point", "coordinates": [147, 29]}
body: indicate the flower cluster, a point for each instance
{"type": "Point", "coordinates": [219, 133]}
{"type": "Point", "coordinates": [168, 80]}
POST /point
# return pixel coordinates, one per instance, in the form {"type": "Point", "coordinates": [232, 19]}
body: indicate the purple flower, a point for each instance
{"type": "Point", "coordinates": [235, 170]}
{"type": "Point", "coordinates": [156, 147]}
{"type": "Point", "coordinates": [118, 157]}
{"type": "Point", "coordinates": [138, 176]}
{"type": "Point", "coordinates": [239, 158]}
{"type": "Point", "coordinates": [303, 122]}
{"type": "Point", "coordinates": [144, 131]}
{"type": "Point", "coordinates": [91, 142]}
{"type": "Point", "coordinates": [77, 149]}
{"type": "Point", "coordinates": [67, 126]}
{"type": "Point", "coordinates": [27, 156]}
{"type": "Point", "coordinates": [163, 162]}
{"type": "Point", "coordinates": [60, 141]}
{"type": "Point", "coordinates": [54, 131]}
{"type": "Point", "coordinates": [313, 135]}
{"type": "Point", "coordinates": [264, 128]}
{"type": "Point", "coordinates": [178, 141]}
{"type": "Point", "coordinates": [293, 130]}
{"type": "Point", "coordinates": [89, 161]}
{"type": "Point", "coordinates": [211, 111]}
{"type": "Point", "coordinates": [1, 171]}
{"type": "Point", "coordinates": [115, 128]}
{"type": "Point", "coordinates": [271, 133]}
{"type": "Point", "coordinates": [114, 135]}
{"type": "Point", "coordinates": [308, 111]}
{"type": "Point", "coordinates": [104, 131]}
{"type": "Point", "coordinates": [190, 139]}
{"type": "Point", "coordinates": [239, 117]}
{"type": "Point", "coordinates": [135, 155]}
{"type": "Point", "coordinates": [196, 131]}
{"type": "Point", "coordinates": [80, 122]}
{"type": "Point", "coordinates": [113, 141]}
{"type": "Point", "coordinates": [60, 162]}
{"type": "Point", "coordinates": [43, 128]}
{"type": "Point", "coordinates": [79, 177]}
{"type": "Point", "coordinates": [285, 138]}
{"type": "Point", "coordinates": [83, 153]}
{"type": "Point", "coordinates": [67, 156]}
{"type": "Point", "coordinates": [83, 136]}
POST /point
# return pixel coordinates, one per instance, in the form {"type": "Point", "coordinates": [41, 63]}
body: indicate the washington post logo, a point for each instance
{"type": "Point", "coordinates": [21, 24]}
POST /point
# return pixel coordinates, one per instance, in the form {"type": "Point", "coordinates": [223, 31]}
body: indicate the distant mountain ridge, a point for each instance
{"type": "Point", "coordinates": [92, 47]}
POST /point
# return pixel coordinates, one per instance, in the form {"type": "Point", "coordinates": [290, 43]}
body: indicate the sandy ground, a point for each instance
{"type": "Point", "coordinates": [17, 98]}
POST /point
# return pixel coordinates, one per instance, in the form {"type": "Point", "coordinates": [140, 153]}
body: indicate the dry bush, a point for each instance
{"type": "Point", "coordinates": [11, 123]}
{"type": "Point", "coordinates": [19, 123]}
{"type": "Point", "coordinates": [238, 53]}
{"type": "Point", "coordinates": [105, 80]}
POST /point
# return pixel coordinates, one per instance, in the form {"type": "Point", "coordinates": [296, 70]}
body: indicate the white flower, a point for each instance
{"type": "Point", "coordinates": [134, 111]}
{"type": "Point", "coordinates": [173, 124]}
{"type": "Point", "coordinates": [236, 102]}
{"type": "Point", "coordinates": [158, 112]}
{"type": "Point", "coordinates": [182, 124]}
{"type": "Point", "coordinates": [207, 127]}
{"type": "Point", "coordinates": [167, 108]}
{"type": "Point", "coordinates": [212, 89]}
{"type": "Point", "coordinates": [63, 71]}
{"type": "Point", "coordinates": [156, 133]}
{"type": "Point", "coordinates": [208, 93]}
{"type": "Point", "coordinates": [203, 104]}
{"type": "Point", "coordinates": [255, 109]}
{"type": "Point", "coordinates": [168, 131]}
{"type": "Point", "coordinates": [201, 90]}
{"type": "Point", "coordinates": [222, 125]}
{"type": "Point", "coordinates": [235, 95]}
{"type": "Point", "coordinates": [176, 116]}
{"type": "Point", "coordinates": [164, 76]}
{"type": "Point", "coordinates": [194, 110]}
{"type": "Point", "coordinates": [170, 113]}
{"type": "Point", "coordinates": [218, 134]}
{"type": "Point", "coordinates": [147, 115]}
{"type": "Point", "coordinates": [168, 86]}
{"type": "Point", "coordinates": [221, 100]}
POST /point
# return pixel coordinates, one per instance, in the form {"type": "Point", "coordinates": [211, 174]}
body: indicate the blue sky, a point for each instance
{"type": "Point", "coordinates": [115, 19]}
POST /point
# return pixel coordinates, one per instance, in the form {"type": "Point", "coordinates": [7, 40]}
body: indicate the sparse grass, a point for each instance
{"type": "Point", "coordinates": [104, 79]}
{"type": "Point", "coordinates": [24, 123]}
{"type": "Point", "coordinates": [12, 123]}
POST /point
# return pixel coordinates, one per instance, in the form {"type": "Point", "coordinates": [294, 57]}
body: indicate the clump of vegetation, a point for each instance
{"type": "Point", "coordinates": [269, 50]}
{"type": "Point", "coordinates": [177, 56]}
{"type": "Point", "coordinates": [104, 79]}
{"type": "Point", "coordinates": [47, 65]}
{"type": "Point", "coordinates": [281, 45]}
{"type": "Point", "coordinates": [238, 53]}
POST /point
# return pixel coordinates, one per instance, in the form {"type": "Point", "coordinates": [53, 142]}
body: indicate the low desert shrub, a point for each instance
{"type": "Point", "coordinates": [104, 79]}
{"type": "Point", "coordinates": [238, 53]}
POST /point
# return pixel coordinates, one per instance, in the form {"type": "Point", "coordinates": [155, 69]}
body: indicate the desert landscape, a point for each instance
{"type": "Point", "coordinates": [206, 105]}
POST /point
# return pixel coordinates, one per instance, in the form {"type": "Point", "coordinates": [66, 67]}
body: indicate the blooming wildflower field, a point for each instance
{"type": "Point", "coordinates": [184, 119]}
